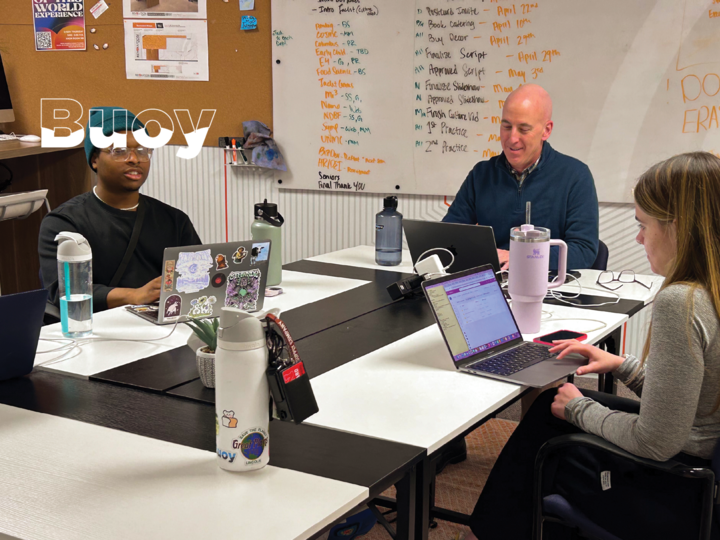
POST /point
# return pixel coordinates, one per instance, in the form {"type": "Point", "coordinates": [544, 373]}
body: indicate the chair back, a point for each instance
{"type": "Point", "coordinates": [602, 257]}
{"type": "Point", "coordinates": [715, 466]}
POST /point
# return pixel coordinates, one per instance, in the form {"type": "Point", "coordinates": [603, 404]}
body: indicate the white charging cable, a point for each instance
{"type": "Point", "coordinates": [562, 297]}
{"type": "Point", "coordinates": [78, 344]}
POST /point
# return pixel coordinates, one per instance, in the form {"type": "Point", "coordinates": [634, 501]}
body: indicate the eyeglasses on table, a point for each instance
{"type": "Point", "coordinates": [607, 279]}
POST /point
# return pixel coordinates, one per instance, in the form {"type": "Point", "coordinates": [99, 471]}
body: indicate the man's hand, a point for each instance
{"type": "Point", "coordinates": [504, 257]}
{"type": "Point", "coordinates": [600, 361]}
{"type": "Point", "coordinates": [148, 293]}
{"type": "Point", "coordinates": [565, 393]}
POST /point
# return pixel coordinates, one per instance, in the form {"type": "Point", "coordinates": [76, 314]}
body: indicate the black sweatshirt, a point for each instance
{"type": "Point", "coordinates": [108, 230]}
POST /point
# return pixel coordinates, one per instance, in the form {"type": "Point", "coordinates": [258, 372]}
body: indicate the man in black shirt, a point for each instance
{"type": "Point", "coordinates": [106, 218]}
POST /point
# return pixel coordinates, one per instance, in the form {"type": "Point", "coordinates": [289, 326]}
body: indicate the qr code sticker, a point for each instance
{"type": "Point", "coordinates": [44, 40]}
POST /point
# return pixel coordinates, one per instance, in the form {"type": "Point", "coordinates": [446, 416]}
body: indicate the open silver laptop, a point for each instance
{"type": "Point", "coordinates": [198, 281]}
{"type": "Point", "coordinates": [482, 336]}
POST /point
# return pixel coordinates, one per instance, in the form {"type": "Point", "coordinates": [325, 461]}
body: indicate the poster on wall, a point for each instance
{"type": "Point", "coordinates": [169, 9]}
{"type": "Point", "coordinates": [168, 49]}
{"type": "Point", "coordinates": [59, 25]}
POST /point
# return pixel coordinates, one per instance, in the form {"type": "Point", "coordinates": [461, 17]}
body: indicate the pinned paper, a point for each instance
{"type": "Point", "coordinates": [248, 22]}
{"type": "Point", "coordinates": [99, 8]}
{"type": "Point", "coordinates": [247, 5]}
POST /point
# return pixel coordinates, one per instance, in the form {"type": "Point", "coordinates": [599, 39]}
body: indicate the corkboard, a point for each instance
{"type": "Point", "coordinates": [240, 86]}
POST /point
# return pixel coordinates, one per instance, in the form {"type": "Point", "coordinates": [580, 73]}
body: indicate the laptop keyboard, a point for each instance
{"type": "Point", "coordinates": [514, 360]}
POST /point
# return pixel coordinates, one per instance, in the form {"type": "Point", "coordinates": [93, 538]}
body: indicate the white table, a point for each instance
{"type": "Point", "coordinates": [364, 257]}
{"type": "Point", "coordinates": [62, 479]}
{"type": "Point", "coordinates": [628, 291]}
{"type": "Point", "coordinates": [109, 347]}
{"type": "Point", "coordinates": [410, 391]}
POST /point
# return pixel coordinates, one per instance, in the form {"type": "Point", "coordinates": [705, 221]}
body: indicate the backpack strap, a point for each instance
{"type": "Point", "coordinates": [131, 246]}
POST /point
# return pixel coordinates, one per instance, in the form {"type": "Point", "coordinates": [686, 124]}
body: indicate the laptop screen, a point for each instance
{"type": "Point", "coordinates": [472, 313]}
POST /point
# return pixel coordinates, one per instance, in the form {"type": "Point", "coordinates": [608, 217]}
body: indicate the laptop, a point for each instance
{"type": "Point", "coordinates": [198, 281]}
{"type": "Point", "coordinates": [21, 317]}
{"type": "Point", "coordinates": [472, 245]}
{"type": "Point", "coordinates": [482, 336]}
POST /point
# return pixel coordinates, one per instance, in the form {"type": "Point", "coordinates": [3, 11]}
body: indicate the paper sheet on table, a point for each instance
{"type": "Point", "coordinates": [167, 9]}
{"type": "Point", "coordinates": [166, 49]}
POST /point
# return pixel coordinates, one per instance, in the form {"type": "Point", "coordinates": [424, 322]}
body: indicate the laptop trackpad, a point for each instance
{"type": "Point", "coordinates": [548, 371]}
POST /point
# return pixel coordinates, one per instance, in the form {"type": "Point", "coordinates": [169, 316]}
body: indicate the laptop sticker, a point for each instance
{"type": "Point", "coordinates": [239, 255]}
{"type": "Point", "coordinates": [173, 305]}
{"type": "Point", "coordinates": [144, 309]}
{"type": "Point", "coordinates": [201, 307]}
{"type": "Point", "coordinates": [194, 269]}
{"type": "Point", "coordinates": [221, 261]}
{"type": "Point", "coordinates": [218, 280]}
{"type": "Point", "coordinates": [169, 276]}
{"type": "Point", "coordinates": [242, 290]}
{"type": "Point", "coordinates": [260, 252]}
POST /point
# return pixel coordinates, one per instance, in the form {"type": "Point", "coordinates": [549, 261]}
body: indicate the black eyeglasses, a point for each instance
{"type": "Point", "coordinates": [123, 154]}
{"type": "Point", "coordinates": [606, 278]}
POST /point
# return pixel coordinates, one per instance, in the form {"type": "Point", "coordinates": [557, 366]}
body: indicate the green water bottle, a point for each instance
{"type": "Point", "coordinates": [267, 227]}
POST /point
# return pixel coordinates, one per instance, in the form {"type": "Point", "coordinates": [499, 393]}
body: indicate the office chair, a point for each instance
{"type": "Point", "coordinates": [602, 257]}
{"type": "Point", "coordinates": [52, 313]}
{"type": "Point", "coordinates": [664, 492]}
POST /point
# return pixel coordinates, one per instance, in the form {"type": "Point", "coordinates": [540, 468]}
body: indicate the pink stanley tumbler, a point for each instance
{"type": "Point", "coordinates": [528, 277]}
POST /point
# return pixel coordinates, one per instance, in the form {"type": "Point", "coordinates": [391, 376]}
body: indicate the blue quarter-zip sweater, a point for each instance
{"type": "Point", "coordinates": [562, 192]}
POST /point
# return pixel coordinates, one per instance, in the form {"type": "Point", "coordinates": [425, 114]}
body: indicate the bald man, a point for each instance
{"type": "Point", "coordinates": [560, 188]}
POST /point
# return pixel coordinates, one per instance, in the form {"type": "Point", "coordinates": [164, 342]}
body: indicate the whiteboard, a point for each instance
{"type": "Point", "coordinates": [405, 96]}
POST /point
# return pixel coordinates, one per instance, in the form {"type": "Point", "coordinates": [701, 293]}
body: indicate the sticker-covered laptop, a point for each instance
{"type": "Point", "coordinates": [482, 336]}
{"type": "Point", "coordinates": [197, 281]}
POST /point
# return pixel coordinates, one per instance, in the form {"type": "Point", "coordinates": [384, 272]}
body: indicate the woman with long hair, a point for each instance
{"type": "Point", "coordinates": [677, 208]}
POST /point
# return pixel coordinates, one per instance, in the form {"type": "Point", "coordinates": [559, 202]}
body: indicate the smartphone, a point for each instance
{"type": "Point", "coordinates": [548, 339]}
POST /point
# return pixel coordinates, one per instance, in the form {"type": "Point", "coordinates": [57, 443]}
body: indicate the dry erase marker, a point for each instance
{"type": "Point", "coordinates": [242, 155]}
{"type": "Point", "coordinates": [234, 153]}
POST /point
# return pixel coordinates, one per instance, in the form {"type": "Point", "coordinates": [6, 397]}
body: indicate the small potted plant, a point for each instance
{"type": "Point", "coordinates": [206, 332]}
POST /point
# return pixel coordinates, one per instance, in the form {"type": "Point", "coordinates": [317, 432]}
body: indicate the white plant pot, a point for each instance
{"type": "Point", "coordinates": [206, 367]}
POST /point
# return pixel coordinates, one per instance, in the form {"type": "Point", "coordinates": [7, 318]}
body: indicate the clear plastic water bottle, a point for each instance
{"type": "Point", "coordinates": [74, 258]}
{"type": "Point", "coordinates": [388, 234]}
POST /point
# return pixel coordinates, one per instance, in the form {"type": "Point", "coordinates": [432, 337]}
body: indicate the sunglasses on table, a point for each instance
{"type": "Point", "coordinates": [608, 280]}
{"type": "Point", "coordinates": [123, 154]}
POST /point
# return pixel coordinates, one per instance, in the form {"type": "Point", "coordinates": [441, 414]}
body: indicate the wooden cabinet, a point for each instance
{"type": "Point", "coordinates": [65, 174]}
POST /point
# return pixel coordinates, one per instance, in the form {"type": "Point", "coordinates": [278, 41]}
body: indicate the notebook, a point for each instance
{"type": "Point", "coordinates": [472, 245]}
{"type": "Point", "coordinates": [482, 336]}
{"type": "Point", "coordinates": [198, 281]}
{"type": "Point", "coordinates": [21, 317]}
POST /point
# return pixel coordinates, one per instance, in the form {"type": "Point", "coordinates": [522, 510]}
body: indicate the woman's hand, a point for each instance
{"type": "Point", "coordinates": [599, 361]}
{"type": "Point", "coordinates": [565, 393]}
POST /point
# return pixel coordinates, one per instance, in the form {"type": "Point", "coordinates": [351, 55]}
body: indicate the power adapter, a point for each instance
{"type": "Point", "coordinates": [430, 265]}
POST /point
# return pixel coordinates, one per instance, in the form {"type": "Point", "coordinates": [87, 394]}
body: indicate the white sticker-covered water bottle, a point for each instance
{"type": "Point", "coordinates": [242, 395]}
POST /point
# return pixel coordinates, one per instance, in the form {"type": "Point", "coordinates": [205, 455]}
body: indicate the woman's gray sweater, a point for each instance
{"type": "Point", "coordinates": [678, 385]}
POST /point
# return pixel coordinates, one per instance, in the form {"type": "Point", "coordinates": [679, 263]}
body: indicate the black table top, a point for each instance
{"type": "Point", "coordinates": [174, 368]}
{"type": "Point", "coordinates": [365, 461]}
